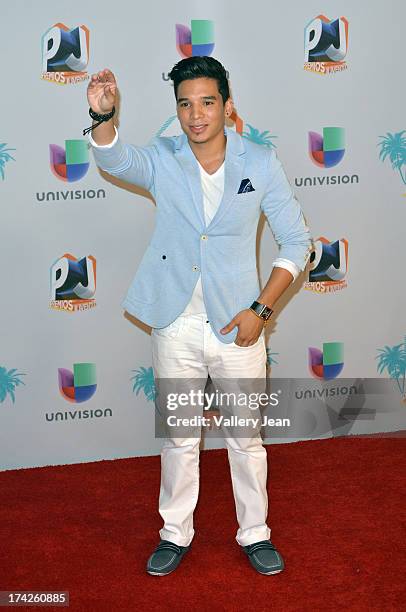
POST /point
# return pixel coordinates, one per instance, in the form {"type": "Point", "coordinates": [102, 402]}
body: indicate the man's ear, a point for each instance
{"type": "Point", "coordinates": [229, 105]}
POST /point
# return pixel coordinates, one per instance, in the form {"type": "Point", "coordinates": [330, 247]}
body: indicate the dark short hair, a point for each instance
{"type": "Point", "coordinates": [197, 67]}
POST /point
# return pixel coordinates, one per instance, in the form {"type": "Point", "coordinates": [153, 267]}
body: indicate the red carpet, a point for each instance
{"type": "Point", "coordinates": [336, 510]}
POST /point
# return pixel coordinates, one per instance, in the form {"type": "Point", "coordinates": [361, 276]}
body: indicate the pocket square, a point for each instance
{"type": "Point", "coordinates": [246, 186]}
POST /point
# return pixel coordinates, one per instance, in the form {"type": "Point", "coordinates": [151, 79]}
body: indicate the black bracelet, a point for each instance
{"type": "Point", "coordinates": [99, 118]}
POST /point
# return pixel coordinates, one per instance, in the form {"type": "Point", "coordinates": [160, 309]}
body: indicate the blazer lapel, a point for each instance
{"type": "Point", "coordinates": [190, 167]}
{"type": "Point", "coordinates": [233, 169]}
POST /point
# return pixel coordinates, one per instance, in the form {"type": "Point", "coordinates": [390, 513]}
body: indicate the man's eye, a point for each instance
{"type": "Point", "coordinates": [209, 102]}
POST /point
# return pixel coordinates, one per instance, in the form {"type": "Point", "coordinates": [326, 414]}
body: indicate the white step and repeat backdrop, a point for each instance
{"type": "Point", "coordinates": [322, 83]}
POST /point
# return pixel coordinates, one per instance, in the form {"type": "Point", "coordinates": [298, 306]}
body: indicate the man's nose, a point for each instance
{"type": "Point", "coordinates": [196, 111]}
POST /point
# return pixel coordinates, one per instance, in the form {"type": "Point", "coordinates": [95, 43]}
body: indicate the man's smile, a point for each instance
{"type": "Point", "coordinates": [197, 129]}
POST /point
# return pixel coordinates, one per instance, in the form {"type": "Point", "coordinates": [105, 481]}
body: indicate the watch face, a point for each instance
{"type": "Point", "coordinates": [266, 313]}
{"type": "Point", "coordinates": [262, 311]}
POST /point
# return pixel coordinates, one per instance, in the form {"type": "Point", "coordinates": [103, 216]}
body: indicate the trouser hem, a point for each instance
{"type": "Point", "coordinates": [167, 535]}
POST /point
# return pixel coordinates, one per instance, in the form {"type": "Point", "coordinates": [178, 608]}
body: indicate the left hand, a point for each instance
{"type": "Point", "coordinates": [249, 327]}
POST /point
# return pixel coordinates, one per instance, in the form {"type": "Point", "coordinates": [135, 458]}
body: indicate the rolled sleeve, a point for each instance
{"type": "Point", "coordinates": [107, 146]}
{"type": "Point", "coordinates": [290, 266]}
{"type": "Point", "coordinates": [285, 217]}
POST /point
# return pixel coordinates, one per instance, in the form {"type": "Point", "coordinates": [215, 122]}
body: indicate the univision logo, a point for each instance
{"type": "Point", "coordinates": [72, 163]}
{"type": "Point", "coordinates": [198, 40]}
{"type": "Point", "coordinates": [326, 150]}
{"type": "Point", "coordinates": [80, 385]}
{"type": "Point", "coordinates": [325, 393]}
{"type": "Point", "coordinates": [70, 194]}
{"type": "Point", "coordinates": [328, 363]}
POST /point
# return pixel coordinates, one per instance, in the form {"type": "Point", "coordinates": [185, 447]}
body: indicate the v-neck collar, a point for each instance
{"type": "Point", "coordinates": [233, 168]}
{"type": "Point", "coordinates": [219, 169]}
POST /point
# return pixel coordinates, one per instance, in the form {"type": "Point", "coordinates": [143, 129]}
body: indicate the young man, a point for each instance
{"type": "Point", "coordinates": [197, 284]}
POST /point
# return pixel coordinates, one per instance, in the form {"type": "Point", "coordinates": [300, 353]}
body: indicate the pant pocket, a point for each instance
{"type": "Point", "coordinates": [170, 331]}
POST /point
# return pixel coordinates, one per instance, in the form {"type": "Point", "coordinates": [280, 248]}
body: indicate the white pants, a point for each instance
{"type": "Point", "coordinates": [187, 348]}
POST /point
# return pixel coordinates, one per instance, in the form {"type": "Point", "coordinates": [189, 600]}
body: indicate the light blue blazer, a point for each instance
{"type": "Point", "coordinates": [182, 246]}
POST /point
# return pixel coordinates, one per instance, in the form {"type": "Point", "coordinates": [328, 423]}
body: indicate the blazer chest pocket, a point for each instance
{"type": "Point", "coordinates": [246, 207]}
{"type": "Point", "coordinates": [150, 276]}
{"type": "Point", "coordinates": [248, 198]}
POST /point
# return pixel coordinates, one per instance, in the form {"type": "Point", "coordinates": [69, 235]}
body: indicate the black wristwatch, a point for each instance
{"type": "Point", "coordinates": [262, 311]}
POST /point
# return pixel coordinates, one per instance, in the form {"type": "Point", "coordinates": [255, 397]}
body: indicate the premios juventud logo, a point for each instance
{"type": "Point", "coordinates": [73, 283]}
{"type": "Point", "coordinates": [328, 266]}
{"type": "Point", "coordinates": [65, 54]}
{"type": "Point", "coordinates": [326, 45]}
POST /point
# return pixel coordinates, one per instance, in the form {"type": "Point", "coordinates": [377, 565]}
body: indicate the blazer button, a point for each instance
{"type": "Point", "coordinates": [195, 268]}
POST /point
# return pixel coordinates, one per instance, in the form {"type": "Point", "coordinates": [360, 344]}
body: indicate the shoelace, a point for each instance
{"type": "Point", "coordinates": [259, 546]}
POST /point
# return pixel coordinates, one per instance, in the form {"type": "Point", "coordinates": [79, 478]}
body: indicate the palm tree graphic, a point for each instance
{"type": "Point", "coordinates": [4, 157]}
{"type": "Point", "coordinates": [165, 125]}
{"type": "Point", "coordinates": [393, 360]}
{"type": "Point", "coordinates": [9, 380]}
{"type": "Point", "coordinates": [269, 359]}
{"type": "Point", "coordinates": [261, 138]}
{"type": "Point", "coordinates": [144, 381]}
{"type": "Point", "coordinates": [394, 147]}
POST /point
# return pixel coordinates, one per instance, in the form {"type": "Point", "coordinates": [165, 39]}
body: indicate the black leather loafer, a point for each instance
{"type": "Point", "coordinates": [264, 557]}
{"type": "Point", "coordinates": [165, 558]}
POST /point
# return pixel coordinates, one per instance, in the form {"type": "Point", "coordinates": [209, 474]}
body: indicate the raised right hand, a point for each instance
{"type": "Point", "coordinates": [102, 91]}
